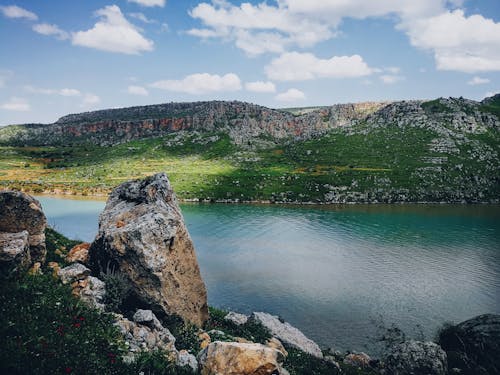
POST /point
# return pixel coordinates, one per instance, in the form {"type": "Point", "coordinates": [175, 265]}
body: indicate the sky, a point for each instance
{"type": "Point", "coordinates": [59, 57]}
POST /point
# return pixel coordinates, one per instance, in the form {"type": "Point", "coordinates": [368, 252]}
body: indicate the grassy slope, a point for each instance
{"type": "Point", "coordinates": [201, 166]}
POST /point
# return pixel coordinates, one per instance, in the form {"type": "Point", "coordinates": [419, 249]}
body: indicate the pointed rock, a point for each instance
{"type": "Point", "coordinates": [142, 235]}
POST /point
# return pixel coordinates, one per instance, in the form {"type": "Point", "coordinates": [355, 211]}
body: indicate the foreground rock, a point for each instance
{"type": "Point", "coordinates": [142, 235]}
{"type": "Point", "coordinates": [473, 346]}
{"type": "Point", "coordinates": [21, 212]}
{"type": "Point", "coordinates": [287, 333]}
{"type": "Point", "coordinates": [232, 358]}
{"type": "Point", "coordinates": [416, 357]}
{"type": "Point", "coordinates": [14, 254]}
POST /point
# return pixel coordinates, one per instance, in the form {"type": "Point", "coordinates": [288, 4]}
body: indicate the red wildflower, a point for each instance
{"type": "Point", "coordinates": [60, 330]}
{"type": "Point", "coordinates": [68, 370]}
{"type": "Point", "coordinates": [76, 325]}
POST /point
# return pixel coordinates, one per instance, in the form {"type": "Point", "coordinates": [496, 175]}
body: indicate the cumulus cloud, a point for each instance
{"type": "Point", "coordinates": [4, 77]}
{"type": "Point", "coordinates": [296, 66]}
{"type": "Point", "coordinates": [260, 86]}
{"type": "Point", "coordinates": [201, 83]}
{"type": "Point", "coordinates": [478, 81]}
{"type": "Point", "coordinates": [291, 95]}
{"type": "Point", "coordinates": [467, 44]}
{"type": "Point", "coordinates": [258, 28]}
{"type": "Point", "coordinates": [16, 104]}
{"type": "Point", "coordinates": [113, 33]}
{"type": "Point", "coordinates": [13, 11]}
{"type": "Point", "coordinates": [149, 3]}
{"type": "Point", "coordinates": [48, 29]}
{"type": "Point", "coordinates": [458, 42]}
{"type": "Point", "coordinates": [137, 90]}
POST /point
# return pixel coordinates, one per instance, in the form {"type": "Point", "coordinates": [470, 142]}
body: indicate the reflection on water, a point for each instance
{"type": "Point", "coordinates": [332, 271]}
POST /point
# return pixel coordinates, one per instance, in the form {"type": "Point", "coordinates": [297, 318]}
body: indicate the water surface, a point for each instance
{"type": "Point", "coordinates": [337, 272]}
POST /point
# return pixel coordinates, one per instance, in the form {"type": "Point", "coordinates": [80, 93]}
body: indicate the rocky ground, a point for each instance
{"type": "Point", "coordinates": [138, 287]}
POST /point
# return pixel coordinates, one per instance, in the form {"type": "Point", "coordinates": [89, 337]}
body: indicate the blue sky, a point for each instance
{"type": "Point", "coordinates": [60, 57]}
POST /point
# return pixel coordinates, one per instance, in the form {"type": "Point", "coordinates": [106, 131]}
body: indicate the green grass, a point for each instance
{"type": "Point", "coordinates": [209, 167]}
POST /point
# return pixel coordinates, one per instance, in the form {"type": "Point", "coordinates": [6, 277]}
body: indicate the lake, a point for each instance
{"type": "Point", "coordinates": [337, 273]}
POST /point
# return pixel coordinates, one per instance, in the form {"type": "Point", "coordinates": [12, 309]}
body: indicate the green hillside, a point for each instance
{"type": "Point", "coordinates": [391, 156]}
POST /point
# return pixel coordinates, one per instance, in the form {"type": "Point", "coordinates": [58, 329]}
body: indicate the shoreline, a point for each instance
{"type": "Point", "coordinates": [104, 197]}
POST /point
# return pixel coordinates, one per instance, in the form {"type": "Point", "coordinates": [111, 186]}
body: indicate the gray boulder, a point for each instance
{"type": "Point", "coordinates": [14, 254]}
{"type": "Point", "coordinates": [287, 333]}
{"type": "Point", "coordinates": [143, 236]}
{"type": "Point", "coordinates": [473, 346]}
{"type": "Point", "coordinates": [21, 212]}
{"type": "Point", "coordinates": [416, 358]}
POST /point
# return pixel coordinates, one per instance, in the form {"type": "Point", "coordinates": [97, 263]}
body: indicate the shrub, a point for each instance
{"type": "Point", "coordinates": [117, 288]}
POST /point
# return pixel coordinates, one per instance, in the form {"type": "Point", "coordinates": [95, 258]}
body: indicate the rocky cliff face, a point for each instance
{"type": "Point", "coordinates": [143, 236]}
{"type": "Point", "coordinates": [241, 120]}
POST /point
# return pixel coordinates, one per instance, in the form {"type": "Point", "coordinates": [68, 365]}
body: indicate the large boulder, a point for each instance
{"type": "Point", "coordinates": [142, 235]}
{"type": "Point", "coordinates": [233, 358]}
{"type": "Point", "coordinates": [287, 333]}
{"type": "Point", "coordinates": [21, 212]}
{"type": "Point", "coordinates": [14, 254]}
{"type": "Point", "coordinates": [416, 358]}
{"type": "Point", "coordinates": [473, 346]}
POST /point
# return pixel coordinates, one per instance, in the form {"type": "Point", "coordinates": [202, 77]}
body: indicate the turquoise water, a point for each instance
{"type": "Point", "coordinates": [337, 272]}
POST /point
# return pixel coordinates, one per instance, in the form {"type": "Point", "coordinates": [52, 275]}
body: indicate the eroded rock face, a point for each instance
{"type": "Point", "coordinates": [236, 318]}
{"type": "Point", "coordinates": [21, 212]}
{"type": "Point", "coordinates": [473, 346]}
{"type": "Point", "coordinates": [232, 358]}
{"type": "Point", "coordinates": [416, 357]}
{"type": "Point", "coordinates": [142, 235]}
{"type": "Point", "coordinates": [287, 333]}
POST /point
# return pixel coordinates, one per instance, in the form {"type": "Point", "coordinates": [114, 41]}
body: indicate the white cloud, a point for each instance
{"type": "Point", "coordinates": [260, 86]}
{"type": "Point", "coordinates": [44, 91]}
{"type": "Point", "coordinates": [291, 95]}
{"type": "Point", "coordinates": [478, 81]}
{"type": "Point", "coordinates": [295, 66]}
{"type": "Point", "coordinates": [201, 83]}
{"type": "Point", "coordinates": [141, 17]}
{"type": "Point", "coordinates": [389, 79]}
{"type": "Point", "coordinates": [149, 3]}
{"type": "Point", "coordinates": [47, 29]}
{"type": "Point", "coordinates": [13, 11]}
{"type": "Point", "coordinates": [258, 28]}
{"type": "Point", "coordinates": [113, 33]}
{"type": "Point", "coordinates": [467, 44]}
{"type": "Point", "coordinates": [90, 100]}
{"type": "Point", "coordinates": [137, 90]}
{"type": "Point", "coordinates": [459, 42]}
{"type": "Point", "coordinates": [16, 104]}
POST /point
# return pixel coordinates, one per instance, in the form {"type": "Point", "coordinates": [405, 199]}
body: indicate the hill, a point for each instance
{"type": "Point", "coordinates": [444, 150]}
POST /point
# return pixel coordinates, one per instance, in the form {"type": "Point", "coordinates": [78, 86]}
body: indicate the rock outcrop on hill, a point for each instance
{"type": "Point", "coordinates": [22, 232]}
{"type": "Point", "coordinates": [416, 357]}
{"type": "Point", "coordinates": [143, 236]}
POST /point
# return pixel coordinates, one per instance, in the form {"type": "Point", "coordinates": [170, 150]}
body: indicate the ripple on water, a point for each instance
{"type": "Point", "coordinates": [338, 272]}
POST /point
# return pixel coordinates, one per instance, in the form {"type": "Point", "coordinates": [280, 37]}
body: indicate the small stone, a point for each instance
{"type": "Point", "coordinates": [361, 360]}
{"type": "Point", "coordinates": [79, 253]}
{"type": "Point", "coordinates": [73, 272]}
{"type": "Point", "coordinates": [36, 269]}
{"type": "Point", "coordinates": [236, 318]}
{"type": "Point", "coordinates": [186, 359]}
{"type": "Point", "coordinates": [204, 339]}
{"type": "Point", "coordinates": [143, 316]}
